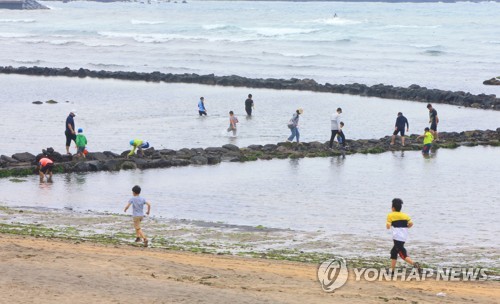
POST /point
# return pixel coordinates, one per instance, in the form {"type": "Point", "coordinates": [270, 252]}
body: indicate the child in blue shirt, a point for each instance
{"type": "Point", "coordinates": [138, 203]}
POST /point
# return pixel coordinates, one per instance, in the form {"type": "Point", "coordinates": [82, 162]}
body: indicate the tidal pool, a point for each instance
{"type": "Point", "coordinates": [112, 112]}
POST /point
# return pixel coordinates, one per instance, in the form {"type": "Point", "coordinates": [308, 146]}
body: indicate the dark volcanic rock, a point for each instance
{"type": "Point", "coordinates": [199, 160]}
{"type": "Point", "coordinates": [231, 147]}
{"type": "Point", "coordinates": [109, 161]}
{"type": "Point", "coordinates": [8, 159]}
{"type": "Point", "coordinates": [492, 81]}
{"type": "Point", "coordinates": [24, 157]}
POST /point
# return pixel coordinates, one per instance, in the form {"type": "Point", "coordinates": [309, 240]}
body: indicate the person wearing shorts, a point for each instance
{"type": "Point", "coordinates": [399, 127]}
{"type": "Point", "coordinates": [70, 130]}
{"type": "Point", "coordinates": [137, 204]}
{"type": "Point", "coordinates": [45, 167]}
{"type": "Point", "coordinates": [400, 223]}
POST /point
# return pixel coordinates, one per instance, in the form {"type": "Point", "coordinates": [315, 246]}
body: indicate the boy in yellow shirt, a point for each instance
{"type": "Point", "coordinates": [400, 223]}
{"type": "Point", "coordinates": [428, 139]}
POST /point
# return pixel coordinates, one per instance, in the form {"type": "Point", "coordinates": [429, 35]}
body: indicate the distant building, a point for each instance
{"type": "Point", "coordinates": [21, 4]}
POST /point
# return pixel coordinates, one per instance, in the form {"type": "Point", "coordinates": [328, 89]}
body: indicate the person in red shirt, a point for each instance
{"type": "Point", "coordinates": [45, 167]}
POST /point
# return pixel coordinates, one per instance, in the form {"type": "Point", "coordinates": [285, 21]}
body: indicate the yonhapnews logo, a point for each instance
{"type": "Point", "coordinates": [333, 274]}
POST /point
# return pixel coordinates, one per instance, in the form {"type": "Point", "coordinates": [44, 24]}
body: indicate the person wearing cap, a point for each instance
{"type": "Point", "coordinates": [293, 125]}
{"type": "Point", "coordinates": [399, 127]}
{"type": "Point", "coordinates": [45, 166]}
{"type": "Point", "coordinates": [81, 142]}
{"type": "Point", "coordinates": [70, 130]}
{"type": "Point", "coordinates": [201, 107]}
{"type": "Point", "coordinates": [138, 144]}
{"type": "Point", "coordinates": [336, 127]}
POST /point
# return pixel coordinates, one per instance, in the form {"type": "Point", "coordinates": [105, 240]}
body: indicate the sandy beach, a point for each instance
{"type": "Point", "coordinates": [39, 270]}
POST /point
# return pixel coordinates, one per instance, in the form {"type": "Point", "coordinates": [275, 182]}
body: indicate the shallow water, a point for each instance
{"type": "Point", "coordinates": [112, 112]}
{"type": "Point", "coordinates": [439, 45]}
{"type": "Point", "coordinates": [452, 197]}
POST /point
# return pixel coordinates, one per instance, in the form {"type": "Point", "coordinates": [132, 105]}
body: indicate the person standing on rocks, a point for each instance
{"type": "Point", "coordinates": [249, 105]}
{"type": "Point", "coordinates": [293, 125]}
{"type": "Point", "coordinates": [399, 127]}
{"type": "Point", "coordinates": [70, 130]}
{"type": "Point", "coordinates": [201, 107]}
{"type": "Point", "coordinates": [336, 128]}
{"type": "Point", "coordinates": [433, 120]}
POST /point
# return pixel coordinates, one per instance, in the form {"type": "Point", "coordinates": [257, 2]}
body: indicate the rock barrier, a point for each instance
{"type": "Point", "coordinates": [23, 164]}
{"type": "Point", "coordinates": [413, 92]}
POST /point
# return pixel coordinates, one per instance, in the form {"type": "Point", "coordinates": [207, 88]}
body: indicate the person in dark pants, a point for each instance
{"type": "Point", "coordinates": [70, 130]}
{"type": "Point", "coordinates": [399, 127]}
{"type": "Point", "coordinates": [336, 128]}
{"type": "Point", "coordinates": [433, 120]}
{"type": "Point", "coordinates": [249, 105]}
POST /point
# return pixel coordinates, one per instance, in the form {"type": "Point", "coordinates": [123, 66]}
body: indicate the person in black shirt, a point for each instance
{"type": "Point", "coordinates": [399, 127]}
{"type": "Point", "coordinates": [433, 120]}
{"type": "Point", "coordinates": [70, 130]}
{"type": "Point", "coordinates": [249, 105]}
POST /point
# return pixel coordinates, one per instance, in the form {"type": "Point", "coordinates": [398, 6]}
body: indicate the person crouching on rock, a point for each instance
{"type": "Point", "coordinates": [45, 166]}
{"type": "Point", "coordinates": [138, 144]}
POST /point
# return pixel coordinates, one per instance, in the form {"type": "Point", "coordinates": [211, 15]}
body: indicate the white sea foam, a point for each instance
{"type": "Point", "coordinates": [216, 27]}
{"type": "Point", "coordinates": [139, 37]}
{"type": "Point", "coordinates": [16, 35]}
{"type": "Point", "coordinates": [27, 61]}
{"type": "Point", "coordinates": [425, 46]}
{"type": "Point", "coordinates": [411, 26]}
{"type": "Point", "coordinates": [17, 20]}
{"type": "Point", "coordinates": [145, 22]}
{"type": "Point", "coordinates": [274, 31]}
{"type": "Point", "coordinates": [336, 21]}
{"type": "Point", "coordinates": [107, 65]}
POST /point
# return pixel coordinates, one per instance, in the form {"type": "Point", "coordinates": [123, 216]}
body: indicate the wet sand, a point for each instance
{"type": "Point", "coordinates": [38, 270]}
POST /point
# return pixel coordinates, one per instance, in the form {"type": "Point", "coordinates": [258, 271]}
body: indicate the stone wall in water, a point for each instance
{"type": "Point", "coordinates": [413, 92]}
{"type": "Point", "coordinates": [23, 164]}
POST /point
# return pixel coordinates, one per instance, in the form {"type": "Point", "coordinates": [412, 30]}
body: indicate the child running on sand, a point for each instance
{"type": "Point", "coordinates": [138, 203]}
{"type": "Point", "coordinates": [400, 223]}
{"type": "Point", "coordinates": [428, 139]}
{"type": "Point", "coordinates": [233, 120]}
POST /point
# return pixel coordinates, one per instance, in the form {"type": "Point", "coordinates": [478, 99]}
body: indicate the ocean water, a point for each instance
{"type": "Point", "coordinates": [111, 112]}
{"type": "Point", "coordinates": [449, 196]}
{"type": "Point", "coordinates": [439, 45]}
